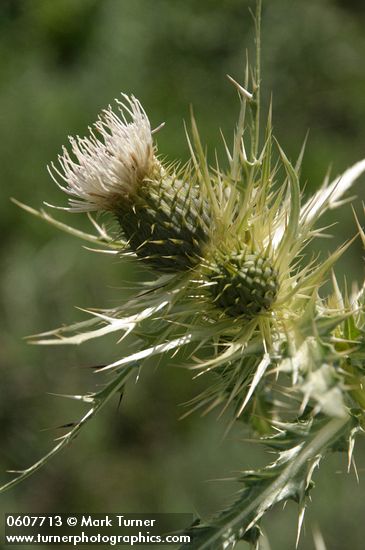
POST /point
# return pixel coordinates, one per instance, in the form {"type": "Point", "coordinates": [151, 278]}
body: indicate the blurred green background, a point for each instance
{"type": "Point", "coordinates": [61, 62]}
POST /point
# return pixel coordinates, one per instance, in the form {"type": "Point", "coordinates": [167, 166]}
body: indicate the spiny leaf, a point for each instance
{"type": "Point", "coordinates": [98, 401]}
{"type": "Point", "coordinates": [283, 480]}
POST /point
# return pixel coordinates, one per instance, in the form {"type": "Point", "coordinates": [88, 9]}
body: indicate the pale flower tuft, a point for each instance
{"type": "Point", "coordinates": [108, 165]}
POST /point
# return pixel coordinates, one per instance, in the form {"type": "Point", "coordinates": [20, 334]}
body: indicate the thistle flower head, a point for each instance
{"type": "Point", "coordinates": [230, 246]}
{"type": "Point", "coordinates": [231, 242]}
{"type": "Point", "coordinates": [110, 163]}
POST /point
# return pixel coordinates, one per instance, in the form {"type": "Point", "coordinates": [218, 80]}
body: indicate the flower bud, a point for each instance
{"type": "Point", "coordinates": [245, 282]}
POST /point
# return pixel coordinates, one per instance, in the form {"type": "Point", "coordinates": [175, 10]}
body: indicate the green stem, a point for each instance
{"type": "Point", "coordinates": [257, 77]}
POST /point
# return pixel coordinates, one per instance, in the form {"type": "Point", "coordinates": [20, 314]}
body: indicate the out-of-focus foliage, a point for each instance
{"type": "Point", "coordinates": [61, 61]}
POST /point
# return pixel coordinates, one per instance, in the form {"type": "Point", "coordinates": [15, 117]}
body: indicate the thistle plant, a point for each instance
{"type": "Point", "coordinates": [231, 280]}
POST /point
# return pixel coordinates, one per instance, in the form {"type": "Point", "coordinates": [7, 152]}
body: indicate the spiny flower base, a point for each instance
{"type": "Point", "coordinates": [166, 224]}
{"type": "Point", "coordinates": [245, 283]}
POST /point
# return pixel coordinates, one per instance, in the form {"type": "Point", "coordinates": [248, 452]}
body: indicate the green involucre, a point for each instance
{"type": "Point", "coordinates": [244, 282]}
{"type": "Point", "coordinates": [167, 224]}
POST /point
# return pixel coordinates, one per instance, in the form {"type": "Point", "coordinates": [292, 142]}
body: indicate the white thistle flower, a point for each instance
{"type": "Point", "coordinates": [108, 164]}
